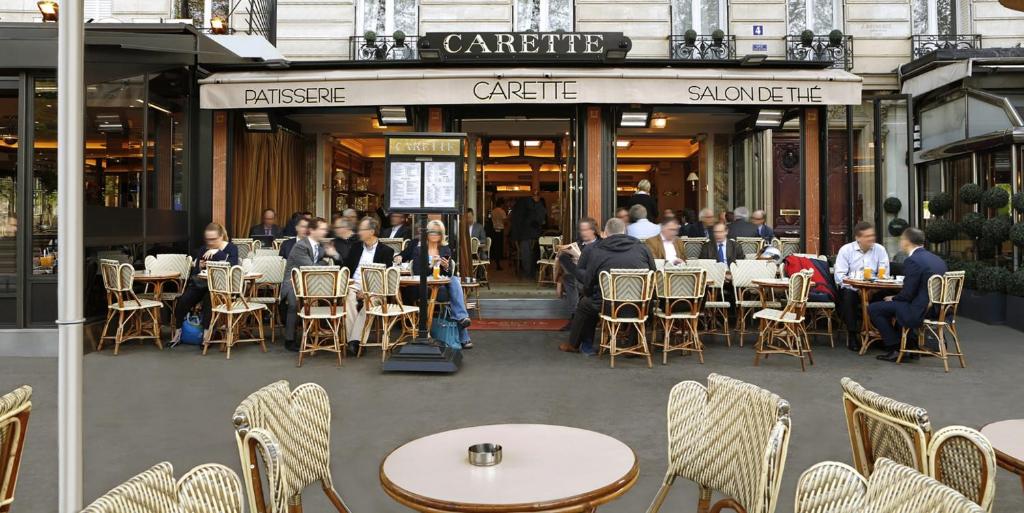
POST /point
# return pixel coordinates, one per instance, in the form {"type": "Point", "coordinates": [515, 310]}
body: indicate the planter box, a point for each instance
{"type": "Point", "coordinates": [1015, 312]}
{"type": "Point", "coordinates": [986, 307]}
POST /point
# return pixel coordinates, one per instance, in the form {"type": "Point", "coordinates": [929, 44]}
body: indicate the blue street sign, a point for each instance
{"type": "Point", "coordinates": [758, 30]}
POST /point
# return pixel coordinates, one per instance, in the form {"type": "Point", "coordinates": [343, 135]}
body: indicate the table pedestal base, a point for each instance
{"type": "Point", "coordinates": [424, 355]}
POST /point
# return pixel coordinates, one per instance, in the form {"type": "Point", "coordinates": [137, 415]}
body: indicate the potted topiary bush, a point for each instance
{"type": "Point", "coordinates": [1015, 300]}
{"type": "Point", "coordinates": [984, 296]}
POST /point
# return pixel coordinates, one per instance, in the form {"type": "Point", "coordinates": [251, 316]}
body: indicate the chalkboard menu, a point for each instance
{"type": "Point", "coordinates": [424, 173]}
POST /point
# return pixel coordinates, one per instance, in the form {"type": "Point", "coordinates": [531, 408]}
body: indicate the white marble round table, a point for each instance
{"type": "Point", "coordinates": [1007, 437]}
{"type": "Point", "coordinates": [543, 468]}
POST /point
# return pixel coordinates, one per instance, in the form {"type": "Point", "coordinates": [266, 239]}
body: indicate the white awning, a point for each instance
{"type": "Point", "coordinates": [249, 47]}
{"type": "Point", "coordinates": [935, 78]}
{"type": "Point", "coordinates": [494, 86]}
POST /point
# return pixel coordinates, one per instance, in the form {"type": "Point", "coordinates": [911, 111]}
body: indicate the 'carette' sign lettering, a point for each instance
{"type": "Point", "coordinates": [524, 46]}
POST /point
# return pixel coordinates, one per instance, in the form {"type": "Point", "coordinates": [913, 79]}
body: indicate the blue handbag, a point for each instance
{"type": "Point", "coordinates": [192, 331]}
{"type": "Point", "coordinates": [447, 331]}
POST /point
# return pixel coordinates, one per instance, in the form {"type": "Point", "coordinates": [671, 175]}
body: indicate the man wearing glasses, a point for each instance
{"type": "Point", "coordinates": [368, 251]}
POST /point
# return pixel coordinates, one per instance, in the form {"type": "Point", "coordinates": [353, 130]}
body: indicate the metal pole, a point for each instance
{"type": "Point", "coordinates": [70, 158]}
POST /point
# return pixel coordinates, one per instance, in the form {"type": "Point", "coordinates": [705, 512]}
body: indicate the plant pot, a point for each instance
{"type": "Point", "coordinates": [1015, 312]}
{"type": "Point", "coordinates": [986, 307]}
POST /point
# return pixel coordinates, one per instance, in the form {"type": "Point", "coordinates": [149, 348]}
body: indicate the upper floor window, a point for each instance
{"type": "Point", "coordinates": [98, 10]}
{"type": "Point", "coordinates": [934, 17]}
{"type": "Point", "coordinates": [387, 16]}
{"type": "Point", "coordinates": [702, 16]}
{"type": "Point", "coordinates": [818, 16]}
{"type": "Point", "coordinates": [544, 15]}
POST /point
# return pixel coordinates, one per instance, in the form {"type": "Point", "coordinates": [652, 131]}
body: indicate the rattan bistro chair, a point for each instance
{"type": "Point", "coordinates": [384, 308]}
{"type": "Point", "coordinates": [284, 442]}
{"type": "Point", "coordinates": [693, 246]}
{"type": "Point", "coordinates": [321, 293]}
{"type": "Point", "coordinates": [267, 289]}
{"type": "Point", "coordinates": [547, 263]}
{"type": "Point", "coordinates": [169, 263]}
{"type": "Point", "coordinates": [398, 244]}
{"type": "Point", "coordinates": [480, 262]}
{"type": "Point", "coordinates": [944, 297]}
{"type": "Point", "coordinates": [715, 307]}
{"type": "Point", "coordinates": [680, 292]}
{"type": "Point", "coordinates": [232, 308]}
{"type": "Point", "coordinates": [750, 245]}
{"type": "Point", "coordinates": [782, 331]}
{"type": "Point", "coordinates": [880, 427]}
{"type": "Point", "coordinates": [729, 437]}
{"type": "Point", "coordinates": [831, 487]}
{"type": "Point", "coordinates": [132, 312]}
{"type": "Point", "coordinates": [246, 247]}
{"type": "Point", "coordinates": [279, 242]}
{"type": "Point", "coordinates": [746, 294]}
{"type": "Point", "coordinates": [209, 488]}
{"type": "Point", "coordinates": [15, 408]}
{"type": "Point", "coordinates": [787, 246]}
{"type": "Point", "coordinates": [818, 311]}
{"type": "Point", "coordinates": [626, 297]}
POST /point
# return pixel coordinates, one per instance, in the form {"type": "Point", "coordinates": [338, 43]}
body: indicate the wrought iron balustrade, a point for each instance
{"type": "Point", "coordinates": [924, 44]}
{"type": "Point", "coordinates": [702, 47]}
{"type": "Point", "coordinates": [383, 48]}
{"type": "Point", "coordinates": [262, 19]}
{"type": "Point", "coordinates": [835, 48]}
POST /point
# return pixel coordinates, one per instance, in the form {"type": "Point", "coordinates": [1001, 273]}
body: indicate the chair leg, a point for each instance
{"type": "Point", "coordinates": [666, 326]}
{"type": "Point", "coordinates": [942, 348]}
{"type": "Point", "coordinates": [208, 334]}
{"type": "Point", "coordinates": [305, 339]}
{"type": "Point", "coordinates": [229, 339]}
{"type": "Point", "coordinates": [336, 500]}
{"type": "Point", "coordinates": [259, 326]}
{"type": "Point", "coordinates": [106, 327]}
{"type": "Point", "coordinates": [119, 334]}
{"type": "Point", "coordinates": [659, 499]}
{"type": "Point", "coordinates": [642, 339]}
{"type": "Point", "coordinates": [695, 337]}
{"type": "Point", "coordinates": [956, 342]}
{"type": "Point", "coordinates": [831, 339]}
{"type": "Point", "coordinates": [704, 501]}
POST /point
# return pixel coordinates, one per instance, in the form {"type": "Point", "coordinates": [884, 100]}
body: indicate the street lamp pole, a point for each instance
{"type": "Point", "coordinates": [70, 250]}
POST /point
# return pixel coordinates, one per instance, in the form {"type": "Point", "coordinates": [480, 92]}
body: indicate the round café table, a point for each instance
{"type": "Point", "coordinates": [434, 285]}
{"type": "Point", "coordinates": [158, 279]}
{"type": "Point", "coordinates": [544, 468]}
{"type": "Point", "coordinates": [1007, 437]}
{"type": "Point", "coordinates": [867, 289]}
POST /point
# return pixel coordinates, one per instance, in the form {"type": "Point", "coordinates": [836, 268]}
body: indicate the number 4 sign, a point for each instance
{"type": "Point", "coordinates": [758, 30]}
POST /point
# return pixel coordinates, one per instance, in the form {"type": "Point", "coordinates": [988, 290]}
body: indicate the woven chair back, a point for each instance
{"type": "Point", "coordinates": [881, 427]}
{"type": "Point", "coordinates": [945, 290]}
{"type": "Point", "coordinates": [680, 283]}
{"type": "Point", "coordinates": [377, 281]}
{"type": "Point", "coordinates": [487, 245]}
{"type": "Point", "coordinates": [246, 247]}
{"type": "Point", "coordinates": [152, 491]}
{"type": "Point", "coordinates": [474, 246]}
{"type": "Point", "coordinates": [271, 267]}
{"type": "Point", "coordinates": [210, 488]}
{"type": "Point", "coordinates": [626, 285]}
{"type": "Point", "coordinates": [830, 487]}
{"type": "Point", "coordinates": [169, 263]}
{"type": "Point", "coordinates": [288, 432]}
{"type": "Point", "coordinates": [693, 246]}
{"type": "Point", "coordinates": [280, 241]}
{"type": "Point", "coordinates": [397, 244]}
{"type": "Point", "coordinates": [895, 488]}
{"type": "Point", "coordinates": [787, 246]}
{"type": "Point", "coordinates": [109, 273]}
{"type": "Point", "coordinates": [114, 254]}
{"type": "Point", "coordinates": [218, 277]}
{"type": "Point", "coordinates": [715, 272]}
{"type": "Point", "coordinates": [800, 287]}
{"type": "Point", "coordinates": [266, 252]}
{"type": "Point", "coordinates": [15, 408]}
{"type": "Point", "coordinates": [322, 282]}
{"type": "Point", "coordinates": [737, 443]}
{"type": "Point", "coordinates": [964, 460]}
{"type": "Point", "coordinates": [750, 245]}
{"type": "Point", "coordinates": [744, 272]}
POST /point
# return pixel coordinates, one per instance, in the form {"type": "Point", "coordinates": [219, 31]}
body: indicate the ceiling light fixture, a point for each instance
{"type": "Point", "coordinates": [659, 122]}
{"type": "Point", "coordinates": [623, 144]}
{"type": "Point", "coordinates": [527, 143]}
{"type": "Point", "coordinates": [635, 119]}
{"type": "Point", "coordinates": [49, 9]}
{"type": "Point", "coordinates": [392, 115]}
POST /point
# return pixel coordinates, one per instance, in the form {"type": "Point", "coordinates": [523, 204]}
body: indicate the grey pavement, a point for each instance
{"type": "Point", "coordinates": [146, 406]}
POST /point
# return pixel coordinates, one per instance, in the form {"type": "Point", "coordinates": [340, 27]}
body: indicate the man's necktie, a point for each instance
{"type": "Point", "coordinates": [721, 252]}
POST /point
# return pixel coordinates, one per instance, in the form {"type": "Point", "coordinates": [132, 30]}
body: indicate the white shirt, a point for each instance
{"type": "Point", "coordinates": [394, 231]}
{"type": "Point", "coordinates": [851, 262]}
{"type": "Point", "coordinates": [670, 250]}
{"type": "Point", "coordinates": [365, 258]}
{"type": "Point", "coordinates": [643, 229]}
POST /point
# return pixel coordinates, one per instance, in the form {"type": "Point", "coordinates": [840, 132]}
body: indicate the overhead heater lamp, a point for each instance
{"type": "Point", "coordinates": [49, 9]}
{"type": "Point", "coordinates": [258, 121]}
{"type": "Point", "coordinates": [767, 118]}
{"type": "Point", "coordinates": [635, 119]}
{"type": "Point", "coordinates": [391, 115]}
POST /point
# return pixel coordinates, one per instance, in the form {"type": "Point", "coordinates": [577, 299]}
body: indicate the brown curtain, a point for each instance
{"type": "Point", "coordinates": [269, 173]}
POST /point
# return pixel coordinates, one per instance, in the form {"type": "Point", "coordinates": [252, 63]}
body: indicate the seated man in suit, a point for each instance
{"type": "Point", "coordinates": [721, 248]}
{"type": "Point", "coordinates": [306, 251]}
{"type": "Point", "coordinates": [758, 219]}
{"type": "Point", "coordinates": [301, 231]}
{"type": "Point", "coordinates": [399, 228]}
{"type": "Point", "coordinates": [741, 227]}
{"type": "Point", "coordinates": [909, 307]}
{"type": "Point", "coordinates": [268, 230]}
{"type": "Point", "coordinates": [703, 227]}
{"type": "Point", "coordinates": [667, 245]}
{"type": "Point", "coordinates": [367, 251]}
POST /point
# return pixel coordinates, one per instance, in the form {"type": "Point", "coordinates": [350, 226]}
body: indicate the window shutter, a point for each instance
{"type": "Point", "coordinates": [99, 9]}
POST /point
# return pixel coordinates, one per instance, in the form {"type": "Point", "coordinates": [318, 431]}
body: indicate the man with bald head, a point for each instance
{"type": "Point", "coordinates": [615, 251]}
{"type": "Point", "coordinates": [703, 228]}
{"type": "Point", "coordinates": [759, 219]}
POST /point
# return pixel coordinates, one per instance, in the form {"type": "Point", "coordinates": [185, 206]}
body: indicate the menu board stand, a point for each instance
{"type": "Point", "coordinates": [423, 176]}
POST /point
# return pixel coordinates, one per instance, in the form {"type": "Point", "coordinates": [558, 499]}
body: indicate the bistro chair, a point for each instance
{"type": "Point", "coordinates": [279, 241]}
{"type": "Point", "coordinates": [715, 307]}
{"type": "Point", "coordinates": [746, 294]}
{"type": "Point", "coordinates": [284, 442]}
{"type": "Point", "coordinates": [168, 263]}
{"type": "Point", "coordinates": [232, 307]}
{"type": "Point", "coordinates": [944, 297]}
{"type": "Point", "coordinates": [679, 294]}
{"type": "Point", "coordinates": [750, 245]}
{"type": "Point", "coordinates": [267, 288]}
{"type": "Point", "coordinates": [246, 247]}
{"type": "Point", "coordinates": [384, 308]}
{"type": "Point", "coordinates": [693, 246]}
{"type": "Point", "coordinates": [114, 254]}
{"type": "Point", "coordinates": [832, 487]}
{"type": "Point", "coordinates": [209, 488]}
{"type": "Point", "coordinates": [626, 297]}
{"type": "Point", "coordinates": [397, 244]}
{"type": "Point", "coordinates": [321, 293]}
{"type": "Point", "coordinates": [547, 262]}
{"type": "Point", "coordinates": [782, 331]}
{"type": "Point", "coordinates": [131, 311]}
{"type": "Point", "coordinates": [480, 262]}
{"type": "Point", "coordinates": [787, 245]}
{"type": "Point", "coordinates": [15, 408]}
{"type": "Point", "coordinates": [730, 437]}
{"type": "Point", "coordinates": [820, 311]}
{"type": "Point", "coordinates": [880, 427]}
{"type": "Point", "coordinates": [265, 252]}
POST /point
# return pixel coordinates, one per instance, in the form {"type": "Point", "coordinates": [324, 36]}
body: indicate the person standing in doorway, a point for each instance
{"type": "Point", "coordinates": [528, 217]}
{"type": "Point", "coordinates": [499, 218]}
{"type": "Point", "coordinates": [643, 197]}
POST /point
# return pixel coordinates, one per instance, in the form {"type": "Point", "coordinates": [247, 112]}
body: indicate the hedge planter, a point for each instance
{"type": "Point", "coordinates": [1015, 312]}
{"type": "Point", "coordinates": [986, 307]}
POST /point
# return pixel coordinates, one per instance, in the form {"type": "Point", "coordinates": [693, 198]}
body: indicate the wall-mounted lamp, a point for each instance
{"type": "Point", "coordinates": [218, 25]}
{"type": "Point", "coordinates": [693, 179]}
{"type": "Point", "coordinates": [659, 122]}
{"type": "Point", "coordinates": [49, 8]}
{"type": "Point", "coordinates": [392, 116]}
{"type": "Point", "coordinates": [623, 144]}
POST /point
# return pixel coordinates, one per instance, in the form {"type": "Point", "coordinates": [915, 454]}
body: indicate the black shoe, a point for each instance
{"type": "Point", "coordinates": [853, 346]}
{"type": "Point", "coordinates": [353, 347]}
{"type": "Point", "coordinates": [891, 356]}
{"type": "Point", "coordinates": [292, 346]}
{"type": "Point", "coordinates": [464, 323]}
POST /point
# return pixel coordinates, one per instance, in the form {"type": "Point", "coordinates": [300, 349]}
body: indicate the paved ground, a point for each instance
{"type": "Point", "coordinates": [145, 406]}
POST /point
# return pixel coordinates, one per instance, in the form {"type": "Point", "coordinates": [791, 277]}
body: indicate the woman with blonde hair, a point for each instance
{"type": "Point", "coordinates": [643, 196]}
{"type": "Point", "coordinates": [216, 248]}
{"type": "Point", "coordinates": [439, 255]}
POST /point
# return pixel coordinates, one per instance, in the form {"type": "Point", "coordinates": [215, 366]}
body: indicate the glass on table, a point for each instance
{"type": "Point", "coordinates": [867, 273]}
{"type": "Point", "coordinates": [881, 273]}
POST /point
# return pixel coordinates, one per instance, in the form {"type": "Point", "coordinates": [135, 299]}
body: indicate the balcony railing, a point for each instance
{"type": "Point", "coordinates": [383, 48]}
{"type": "Point", "coordinates": [702, 47]}
{"type": "Point", "coordinates": [925, 44]}
{"type": "Point", "coordinates": [834, 48]}
{"type": "Point", "coordinates": [262, 19]}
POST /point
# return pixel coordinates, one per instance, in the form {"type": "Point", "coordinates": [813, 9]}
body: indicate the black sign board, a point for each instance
{"type": "Point", "coordinates": [524, 46]}
{"type": "Point", "coordinates": [424, 173]}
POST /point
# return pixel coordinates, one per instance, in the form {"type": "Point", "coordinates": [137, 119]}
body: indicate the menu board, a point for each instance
{"type": "Point", "coordinates": [439, 184]}
{"type": "Point", "coordinates": [406, 183]}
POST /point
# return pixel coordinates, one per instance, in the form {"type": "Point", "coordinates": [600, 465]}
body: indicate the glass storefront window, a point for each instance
{"type": "Point", "coordinates": [114, 136]}
{"type": "Point", "coordinates": [863, 163]}
{"type": "Point", "coordinates": [44, 177]}
{"type": "Point", "coordinates": [9, 143]}
{"type": "Point", "coordinates": [168, 102]}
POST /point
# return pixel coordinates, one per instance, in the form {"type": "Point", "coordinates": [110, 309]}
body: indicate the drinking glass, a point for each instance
{"type": "Point", "coordinates": [867, 273]}
{"type": "Point", "coordinates": [881, 273]}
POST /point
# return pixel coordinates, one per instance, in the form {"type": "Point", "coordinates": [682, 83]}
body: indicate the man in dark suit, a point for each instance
{"type": "Point", "coordinates": [399, 228]}
{"type": "Point", "coordinates": [741, 227]}
{"type": "Point", "coordinates": [368, 250]}
{"type": "Point", "coordinates": [268, 230]}
{"type": "Point", "coordinates": [301, 229]}
{"type": "Point", "coordinates": [758, 219]}
{"type": "Point", "coordinates": [703, 227]}
{"type": "Point", "coordinates": [909, 307]}
{"type": "Point", "coordinates": [307, 251]}
{"type": "Point", "coordinates": [721, 248]}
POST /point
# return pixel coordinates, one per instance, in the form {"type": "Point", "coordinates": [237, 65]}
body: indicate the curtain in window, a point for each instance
{"type": "Point", "coordinates": [703, 16]}
{"type": "Point", "coordinates": [387, 16]}
{"type": "Point", "coordinates": [822, 20]}
{"type": "Point", "coordinates": [544, 15]}
{"type": "Point", "coordinates": [934, 17]}
{"type": "Point", "coordinates": [269, 173]}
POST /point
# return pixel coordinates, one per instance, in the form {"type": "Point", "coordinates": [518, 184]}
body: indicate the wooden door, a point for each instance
{"type": "Point", "coordinates": [786, 185]}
